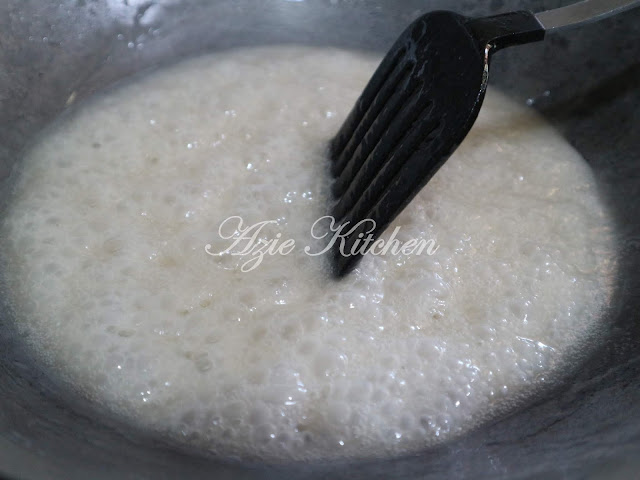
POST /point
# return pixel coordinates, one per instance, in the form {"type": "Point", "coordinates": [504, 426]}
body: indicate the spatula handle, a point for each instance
{"type": "Point", "coordinates": [583, 12]}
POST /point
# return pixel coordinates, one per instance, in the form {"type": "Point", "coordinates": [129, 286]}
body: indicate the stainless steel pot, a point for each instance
{"type": "Point", "coordinates": [587, 82]}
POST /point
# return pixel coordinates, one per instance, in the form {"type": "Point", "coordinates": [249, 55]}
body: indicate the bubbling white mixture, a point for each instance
{"type": "Point", "coordinates": [104, 251]}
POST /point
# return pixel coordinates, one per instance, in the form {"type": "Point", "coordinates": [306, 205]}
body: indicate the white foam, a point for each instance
{"type": "Point", "coordinates": [104, 243]}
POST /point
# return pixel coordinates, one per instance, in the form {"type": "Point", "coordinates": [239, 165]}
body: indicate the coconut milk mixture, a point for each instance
{"type": "Point", "coordinates": [104, 252]}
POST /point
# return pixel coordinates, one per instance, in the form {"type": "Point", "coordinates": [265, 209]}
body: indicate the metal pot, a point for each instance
{"type": "Point", "coordinates": [586, 82]}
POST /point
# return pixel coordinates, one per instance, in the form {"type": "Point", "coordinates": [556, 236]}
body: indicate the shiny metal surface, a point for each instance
{"type": "Point", "coordinates": [586, 82]}
{"type": "Point", "coordinates": [584, 12]}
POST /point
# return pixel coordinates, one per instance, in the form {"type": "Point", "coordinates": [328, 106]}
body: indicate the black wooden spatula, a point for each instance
{"type": "Point", "coordinates": [419, 106]}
